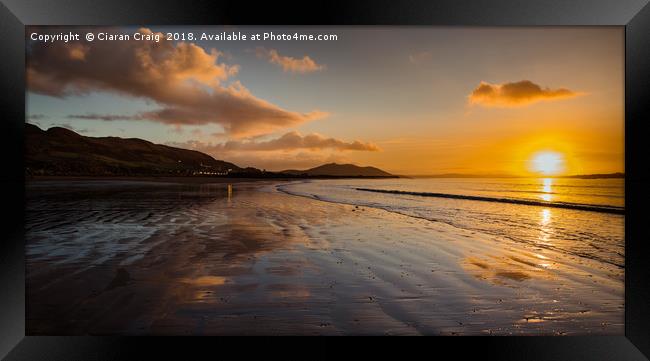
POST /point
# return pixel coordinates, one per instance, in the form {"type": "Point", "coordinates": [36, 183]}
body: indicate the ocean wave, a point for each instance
{"type": "Point", "coordinates": [565, 205]}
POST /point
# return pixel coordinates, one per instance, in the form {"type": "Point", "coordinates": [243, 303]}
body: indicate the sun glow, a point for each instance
{"type": "Point", "coordinates": [547, 163]}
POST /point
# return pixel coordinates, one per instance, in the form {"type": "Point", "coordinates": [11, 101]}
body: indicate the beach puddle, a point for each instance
{"type": "Point", "coordinates": [206, 281]}
{"type": "Point", "coordinates": [504, 270]}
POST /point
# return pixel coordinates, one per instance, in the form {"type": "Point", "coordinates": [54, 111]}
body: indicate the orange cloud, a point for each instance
{"type": "Point", "coordinates": [288, 142]}
{"type": "Point", "coordinates": [294, 140]}
{"type": "Point", "coordinates": [289, 64]}
{"type": "Point", "coordinates": [516, 94]}
{"type": "Point", "coordinates": [185, 80]}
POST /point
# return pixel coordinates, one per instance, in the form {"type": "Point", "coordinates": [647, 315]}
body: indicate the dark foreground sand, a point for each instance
{"type": "Point", "coordinates": [154, 258]}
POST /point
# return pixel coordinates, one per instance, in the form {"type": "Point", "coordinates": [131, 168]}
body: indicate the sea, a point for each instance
{"type": "Point", "coordinates": [579, 217]}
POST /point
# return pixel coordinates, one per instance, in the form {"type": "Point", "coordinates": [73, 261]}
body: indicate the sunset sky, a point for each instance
{"type": "Point", "coordinates": [409, 100]}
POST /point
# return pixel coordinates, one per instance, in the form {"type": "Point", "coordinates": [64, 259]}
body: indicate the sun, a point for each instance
{"type": "Point", "coordinates": [547, 163]}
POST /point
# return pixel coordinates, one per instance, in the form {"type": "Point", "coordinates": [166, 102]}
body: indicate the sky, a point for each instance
{"type": "Point", "coordinates": [409, 100]}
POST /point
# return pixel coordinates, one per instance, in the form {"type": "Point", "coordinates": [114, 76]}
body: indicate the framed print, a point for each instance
{"type": "Point", "coordinates": [344, 169]}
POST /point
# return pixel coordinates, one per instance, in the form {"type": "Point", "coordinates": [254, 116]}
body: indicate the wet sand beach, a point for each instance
{"type": "Point", "coordinates": [155, 258]}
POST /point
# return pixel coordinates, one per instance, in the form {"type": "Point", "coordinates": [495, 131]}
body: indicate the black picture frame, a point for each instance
{"type": "Point", "coordinates": [634, 15]}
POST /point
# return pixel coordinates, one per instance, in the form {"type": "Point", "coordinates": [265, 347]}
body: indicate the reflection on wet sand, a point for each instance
{"type": "Point", "coordinates": [212, 259]}
{"type": "Point", "coordinates": [545, 229]}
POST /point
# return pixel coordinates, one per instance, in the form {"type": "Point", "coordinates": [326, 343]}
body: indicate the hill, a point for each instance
{"type": "Point", "coordinates": [340, 170]}
{"type": "Point", "coordinates": [60, 151]}
{"type": "Point", "coordinates": [597, 176]}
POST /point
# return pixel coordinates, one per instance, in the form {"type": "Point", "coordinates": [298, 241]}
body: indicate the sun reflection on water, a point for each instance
{"type": "Point", "coordinates": [547, 184]}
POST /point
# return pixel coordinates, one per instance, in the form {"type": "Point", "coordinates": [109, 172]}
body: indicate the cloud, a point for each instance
{"type": "Point", "coordinates": [279, 159]}
{"type": "Point", "coordinates": [104, 117]}
{"type": "Point", "coordinates": [289, 64]}
{"type": "Point", "coordinates": [294, 140]}
{"type": "Point", "coordinates": [37, 117]}
{"type": "Point", "coordinates": [191, 86]}
{"type": "Point", "coordinates": [421, 57]}
{"type": "Point", "coordinates": [289, 151]}
{"type": "Point", "coordinates": [288, 142]}
{"type": "Point", "coordinates": [516, 94]}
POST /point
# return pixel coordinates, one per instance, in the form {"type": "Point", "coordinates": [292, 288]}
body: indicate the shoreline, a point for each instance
{"type": "Point", "coordinates": [189, 180]}
{"type": "Point", "coordinates": [179, 180]}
